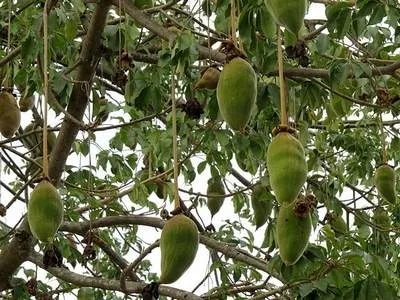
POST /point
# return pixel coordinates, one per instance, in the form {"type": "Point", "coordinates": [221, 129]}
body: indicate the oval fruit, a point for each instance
{"type": "Point", "coordinates": [385, 182]}
{"type": "Point", "coordinates": [35, 141]}
{"type": "Point", "coordinates": [237, 92]}
{"type": "Point", "coordinates": [45, 211]}
{"type": "Point", "coordinates": [178, 244]}
{"type": "Point", "coordinates": [26, 103]}
{"type": "Point", "coordinates": [337, 223]}
{"type": "Point", "coordinates": [209, 79]}
{"type": "Point", "coordinates": [215, 188]}
{"type": "Point", "coordinates": [292, 233]}
{"type": "Point", "coordinates": [381, 218]}
{"type": "Point", "coordinates": [287, 167]}
{"type": "Point", "coordinates": [288, 13]}
{"type": "Point", "coordinates": [261, 203]}
{"type": "Point", "coordinates": [10, 115]}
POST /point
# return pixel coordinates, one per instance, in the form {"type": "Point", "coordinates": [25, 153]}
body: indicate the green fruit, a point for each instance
{"type": "Point", "coordinates": [288, 13]}
{"type": "Point", "coordinates": [385, 182]}
{"type": "Point", "coordinates": [143, 4]}
{"type": "Point", "coordinates": [86, 293]}
{"type": "Point", "coordinates": [292, 233]}
{"type": "Point", "coordinates": [381, 217]}
{"type": "Point", "coordinates": [337, 224]}
{"type": "Point", "coordinates": [10, 115]}
{"type": "Point", "coordinates": [26, 103]}
{"type": "Point", "coordinates": [45, 211]}
{"type": "Point", "coordinates": [209, 79]}
{"type": "Point", "coordinates": [33, 168]}
{"type": "Point", "coordinates": [287, 167]}
{"type": "Point", "coordinates": [35, 141]}
{"type": "Point", "coordinates": [178, 244]}
{"type": "Point", "coordinates": [261, 203]}
{"type": "Point", "coordinates": [215, 188]}
{"type": "Point", "coordinates": [237, 92]}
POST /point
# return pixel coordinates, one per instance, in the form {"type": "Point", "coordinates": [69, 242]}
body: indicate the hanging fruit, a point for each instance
{"type": "Point", "coordinates": [209, 79]}
{"type": "Point", "coordinates": [10, 115]}
{"type": "Point", "coordinates": [35, 141]}
{"type": "Point", "coordinates": [26, 103]}
{"type": "Point", "coordinates": [385, 182]}
{"type": "Point", "coordinates": [381, 218]}
{"type": "Point", "coordinates": [287, 167]}
{"type": "Point", "coordinates": [45, 211]}
{"type": "Point", "coordinates": [237, 92]}
{"type": "Point", "coordinates": [337, 223]}
{"type": "Point", "coordinates": [288, 13]}
{"type": "Point", "coordinates": [178, 244]}
{"type": "Point", "coordinates": [261, 203]}
{"type": "Point", "coordinates": [215, 188]}
{"type": "Point", "coordinates": [293, 230]}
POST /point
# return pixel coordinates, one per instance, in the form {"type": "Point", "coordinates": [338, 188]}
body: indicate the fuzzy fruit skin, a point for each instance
{"type": "Point", "coordinates": [36, 140]}
{"type": "Point", "coordinates": [338, 225]}
{"type": "Point", "coordinates": [292, 234]}
{"type": "Point", "coordinates": [261, 205]}
{"type": "Point", "coordinates": [237, 92]}
{"type": "Point", "coordinates": [385, 182]}
{"type": "Point", "coordinates": [45, 211]}
{"type": "Point", "coordinates": [215, 187]}
{"type": "Point", "coordinates": [178, 244]}
{"type": "Point", "coordinates": [26, 103]}
{"type": "Point", "coordinates": [380, 217]}
{"type": "Point", "coordinates": [288, 13]}
{"type": "Point", "coordinates": [10, 115]}
{"type": "Point", "coordinates": [209, 79]}
{"type": "Point", "coordinates": [287, 167]}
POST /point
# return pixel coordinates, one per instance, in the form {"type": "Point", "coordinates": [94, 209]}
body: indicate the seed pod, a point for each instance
{"type": "Point", "coordinates": [292, 233]}
{"type": "Point", "coordinates": [262, 205]}
{"type": "Point", "coordinates": [385, 182]}
{"type": "Point", "coordinates": [209, 79]}
{"type": "Point", "coordinates": [337, 223]}
{"type": "Point", "coordinates": [35, 141]}
{"type": "Point", "coordinates": [288, 13]}
{"type": "Point", "coordinates": [237, 92]}
{"type": "Point", "coordinates": [381, 217]}
{"type": "Point", "coordinates": [33, 168]}
{"type": "Point", "coordinates": [26, 103]}
{"type": "Point", "coordinates": [10, 115]}
{"type": "Point", "coordinates": [45, 211]}
{"type": "Point", "coordinates": [287, 167]}
{"type": "Point", "coordinates": [215, 187]}
{"type": "Point", "coordinates": [178, 244]}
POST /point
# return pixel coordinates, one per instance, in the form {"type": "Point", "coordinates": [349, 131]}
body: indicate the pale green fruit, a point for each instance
{"type": "Point", "coordinates": [10, 115]}
{"type": "Point", "coordinates": [215, 188]}
{"type": "Point", "coordinates": [178, 244]}
{"type": "Point", "coordinates": [385, 182]}
{"type": "Point", "coordinates": [237, 92]}
{"type": "Point", "coordinates": [261, 203]}
{"type": "Point", "coordinates": [287, 167]}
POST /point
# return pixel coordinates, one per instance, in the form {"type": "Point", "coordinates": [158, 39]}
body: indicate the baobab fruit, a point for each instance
{"type": "Point", "coordinates": [143, 4]}
{"type": "Point", "coordinates": [287, 167]}
{"type": "Point", "coordinates": [237, 92]}
{"type": "Point", "coordinates": [293, 230]}
{"type": "Point", "coordinates": [10, 115]}
{"type": "Point", "coordinates": [337, 223]}
{"type": "Point", "coordinates": [26, 103]}
{"type": "Point", "coordinates": [385, 182]}
{"type": "Point", "coordinates": [216, 195]}
{"type": "Point", "coordinates": [381, 218]}
{"type": "Point", "coordinates": [261, 204]}
{"type": "Point", "coordinates": [178, 244]}
{"type": "Point", "coordinates": [209, 79]}
{"type": "Point", "coordinates": [33, 168]}
{"type": "Point", "coordinates": [35, 140]}
{"type": "Point", "coordinates": [45, 211]}
{"type": "Point", "coordinates": [289, 13]}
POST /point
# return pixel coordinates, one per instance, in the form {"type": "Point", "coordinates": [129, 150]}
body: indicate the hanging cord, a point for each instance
{"type": "Point", "coordinates": [282, 88]}
{"type": "Point", "coordinates": [383, 143]}
{"type": "Point", "coordinates": [46, 90]}
{"type": "Point", "coordinates": [233, 23]}
{"type": "Point", "coordinates": [177, 203]}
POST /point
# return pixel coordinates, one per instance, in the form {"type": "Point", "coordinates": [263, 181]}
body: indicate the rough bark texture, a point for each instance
{"type": "Point", "coordinates": [17, 251]}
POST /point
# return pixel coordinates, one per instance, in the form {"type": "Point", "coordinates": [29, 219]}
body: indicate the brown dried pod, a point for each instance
{"type": "Point", "coordinates": [26, 103]}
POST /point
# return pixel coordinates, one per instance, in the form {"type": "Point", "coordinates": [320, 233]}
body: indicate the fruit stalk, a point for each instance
{"type": "Point", "coordinates": [174, 144]}
{"type": "Point", "coordinates": [284, 117]}
{"type": "Point", "coordinates": [233, 22]}
{"type": "Point", "coordinates": [46, 90]}
{"type": "Point", "coordinates": [384, 154]}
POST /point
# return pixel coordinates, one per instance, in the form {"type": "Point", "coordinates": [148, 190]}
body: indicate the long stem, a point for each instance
{"type": "Point", "coordinates": [233, 22]}
{"type": "Point", "coordinates": [282, 87]}
{"type": "Point", "coordinates": [383, 143]}
{"type": "Point", "coordinates": [175, 144]}
{"type": "Point", "coordinates": [46, 90]}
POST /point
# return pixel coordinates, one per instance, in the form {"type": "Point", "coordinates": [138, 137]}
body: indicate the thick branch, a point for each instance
{"type": "Point", "coordinates": [107, 284]}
